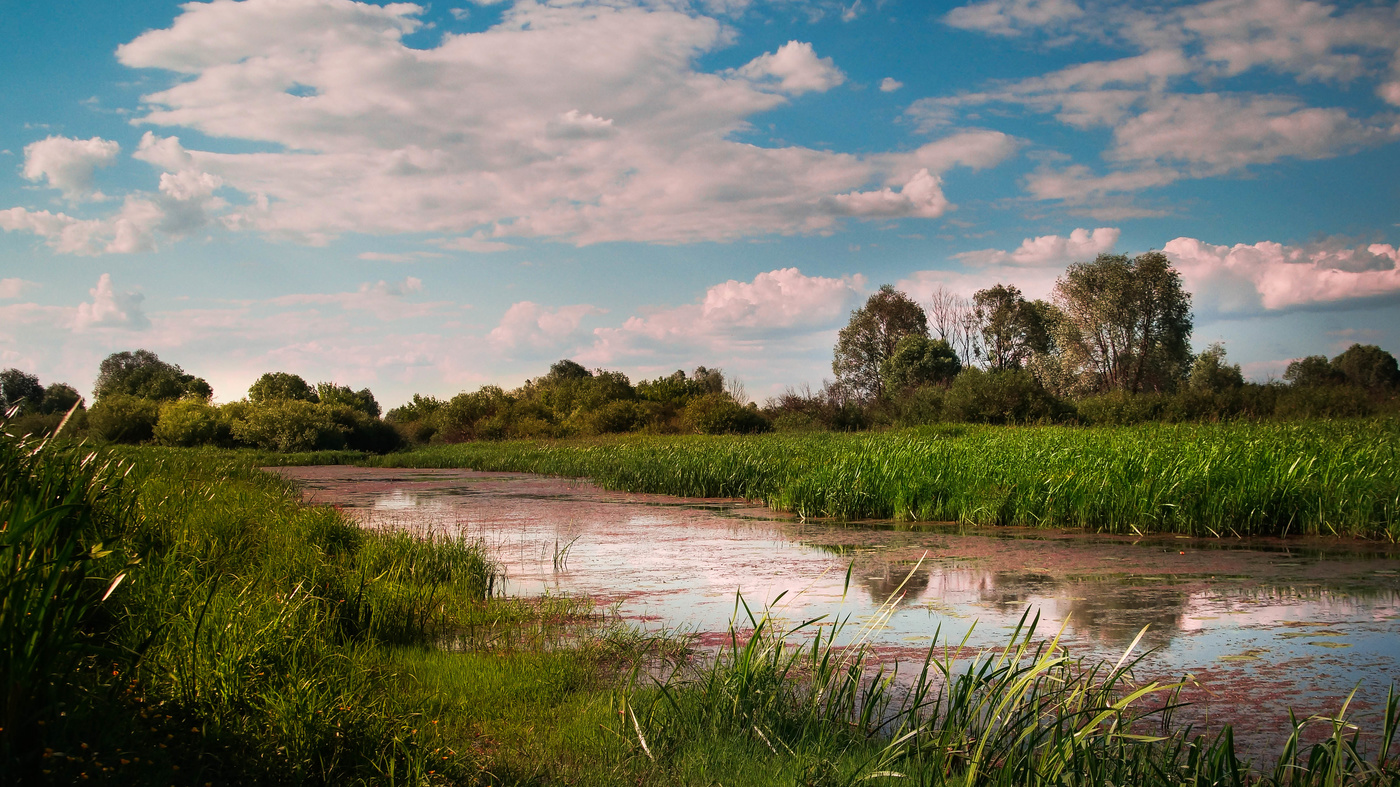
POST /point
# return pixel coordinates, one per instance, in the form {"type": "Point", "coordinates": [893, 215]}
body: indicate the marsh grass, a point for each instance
{"type": "Point", "coordinates": [1230, 479]}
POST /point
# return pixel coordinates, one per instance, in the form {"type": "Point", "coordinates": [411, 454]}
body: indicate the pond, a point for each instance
{"type": "Point", "coordinates": [1259, 625]}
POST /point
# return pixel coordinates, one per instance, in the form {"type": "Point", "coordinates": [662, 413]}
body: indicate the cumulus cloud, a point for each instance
{"type": "Point", "coordinates": [111, 309]}
{"type": "Point", "coordinates": [529, 325]}
{"type": "Point", "coordinates": [15, 287]}
{"type": "Point", "coordinates": [735, 318]}
{"type": "Point", "coordinates": [890, 84]}
{"type": "Point", "coordinates": [795, 68]}
{"type": "Point", "coordinates": [1081, 245]}
{"type": "Point", "coordinates": [526, 129]}
{"type": "Point", "coordinates": [1272, 276]}
{"type": "Point", "coordinates": [1167, 116]}
{"type": "Point", "coordinates": [385, 300]}
{"type": "Point", "coordinates": [69, 164]}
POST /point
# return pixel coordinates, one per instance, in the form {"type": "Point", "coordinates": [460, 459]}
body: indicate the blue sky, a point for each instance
{"type": "Point", "coordinates": [428, 198]}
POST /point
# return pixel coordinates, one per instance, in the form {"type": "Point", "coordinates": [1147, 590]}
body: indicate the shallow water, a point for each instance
{"type": "Point", "coordinates": [1259, 625]}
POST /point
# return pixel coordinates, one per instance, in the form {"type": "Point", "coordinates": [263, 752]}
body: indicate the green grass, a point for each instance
{"type": "Point", "coordinates": [1232, 479]}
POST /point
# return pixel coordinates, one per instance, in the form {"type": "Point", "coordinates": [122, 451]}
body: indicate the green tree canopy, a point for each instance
{"type": "Point", "coordinates": [1313, 371]}
{"type": "Point", "coordinates": [1211, 373]}
{"type": "Point", "coordinates": [1012, 327]}
{"type": "Point", "coordinates": [331, 394]}
{"type": "Point", "coordinates": [60, 398]}
{"type": "Point", "coordinates": [20, 389]}
{"type": "Point", "coordinates": [870, 338]}
{"type": "Point", "coordinates": [281, 387]}
{"type": "Point", "coordinates": [1126, 322]}
{"type": "Point", "coordinates": [144, 375]}
{"type": "Point", "coordinates": [1368, 366]}
{"type": "Point", "coordinates": [919, 360]}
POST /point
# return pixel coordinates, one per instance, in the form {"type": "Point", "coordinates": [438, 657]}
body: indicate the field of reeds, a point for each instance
{"type": "Point", "coordinates": [179, 617]}
{"type": "Point", "coordinates": [1230, 479]}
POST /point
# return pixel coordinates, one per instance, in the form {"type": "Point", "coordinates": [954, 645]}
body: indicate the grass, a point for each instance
{"type": "Point", "coordinates": [1332, 478]}
{"type": "Point", "coordinates": [178, 617]}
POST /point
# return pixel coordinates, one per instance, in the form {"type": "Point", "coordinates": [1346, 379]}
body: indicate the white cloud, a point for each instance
{"type": "Point", "coordinates": [735, 319]}
{"type": "Point", "coordinates": [15, 287]}
{"type": "Point", "coordinates": [385, 300]}
{"type": "Point", "coordinates": [527, 129]}
{"type": "Point", "coordinates": [796, 69]}
{"type": "Point", "coordinates": [529, 325]}
{"type": "Point", "coordinates": [69, 164]}
{"type": "Point", "coordinates": [408, 256]}
{"type": "Point", "coordinates": [110, 309]}
{"type": "Point", "coordinates": [1082, 245]}
{"type": "Point", "coordinates": [475, 242]}
{"type": "Point", "coordinates": [1271, 276]}
{"type": "Point", "coordinates": [1011, 17]}
{"type": "Point", "coordinates": [890, 84]}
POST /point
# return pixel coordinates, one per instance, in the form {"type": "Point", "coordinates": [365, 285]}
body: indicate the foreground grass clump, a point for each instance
{"type": "Point", "coordinates": [1229, 479]}
{"type": "Point", "coordinates": [172, 618]}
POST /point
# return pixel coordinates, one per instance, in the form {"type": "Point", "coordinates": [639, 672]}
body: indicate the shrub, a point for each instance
{"type": "Point", "coordinates": [290, 425]}
{"type": "Point", "coordinates": [1335, 401]}
{"type": "Point", "coordinates": [796, 421]}
{"type": "Point", "coordinates": [1120, 408]}
{"type": "Point", "coordinates": [613, 417]}
{"type": "Point", "coordinates": [190, 422]}
{"type": "Point", "coordinates": [716, 413]}
{"type": "Point", "coordinates": [122, 418]}
{"type": "Point", "coordinates": [1007, 396]}
{"type": "Point", "coordinates": [919, 406]}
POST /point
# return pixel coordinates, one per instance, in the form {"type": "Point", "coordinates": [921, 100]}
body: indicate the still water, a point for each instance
{"type": "Point", "coordinates": [1260, 626]}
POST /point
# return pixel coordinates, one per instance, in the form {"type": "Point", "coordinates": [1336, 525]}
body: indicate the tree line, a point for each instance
{"type": "Point", "coordinates": [1111, 346]}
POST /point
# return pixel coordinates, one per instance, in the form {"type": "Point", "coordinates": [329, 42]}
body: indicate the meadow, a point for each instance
{"type": "Point", "coordinates": [1328, 478]}
{"type": "Point", "coordinates": [179, 617]}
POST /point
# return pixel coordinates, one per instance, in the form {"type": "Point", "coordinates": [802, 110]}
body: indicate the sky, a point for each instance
{"type": "Point", "coordinates": [426, 198]}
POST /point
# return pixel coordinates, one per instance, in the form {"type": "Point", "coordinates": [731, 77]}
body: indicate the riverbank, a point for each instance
{"type": "Point", "coordinates": [255, 640]}
{"type": "Point", "coordinates": [1328, 478]}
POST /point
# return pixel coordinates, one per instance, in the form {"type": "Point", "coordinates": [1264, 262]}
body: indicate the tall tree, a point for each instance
{"type": "Point", "coordinates": [1127, 322]}
{"type": "Point", "coordinates": [870, 338]}
{"type": "Point", "coordinates": [281, 387]}
{"type": "Point", "coordinates": [142, 374]}
{"type": "Point", "coordinates": [1368, 366]}
{"type": "Point", "coordinates": [919, 360]}
{"type": "Point", "coordinates": [1012, 328]}
{"type": "Point", "coordinates": [20, 389]}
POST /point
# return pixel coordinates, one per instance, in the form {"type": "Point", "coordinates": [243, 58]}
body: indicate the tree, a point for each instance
{"type": "Point", "coordinates": [918, 361]}
{"type": "Point", "coordinates": [1126, 323]}
{"type": "Point", "coordinates": [20, 389]}
{"type": "Point", "coordinates": [361, 400]}
{"type": "Point", "coordinates": [953, 319]}
{"type": "Point", "coordinates": [142, 374]}
{"type": "Point", "coordinates": [1012, 328]}
{"type": "Point", "coordinates": [1210, 373]}
{"type": "Point", "coordinates": [870, 338]}
{"type": "Point", "coordinates": [567, 370]}
{"type": "Point", "coordinates": [281, 387]}
{"type": "Point", "coordinates": [1368, 366]}
{"type": "Point", "coordinates": [60, 398]}
{"type": "Point", "coordinates": [1313, 371]}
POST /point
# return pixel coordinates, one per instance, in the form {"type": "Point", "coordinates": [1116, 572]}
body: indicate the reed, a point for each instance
{"type": "Point", "coordinates": [1332, 478]}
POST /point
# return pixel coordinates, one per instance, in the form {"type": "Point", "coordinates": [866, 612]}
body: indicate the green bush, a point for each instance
{"type": "Point", "coordinates": [1333, 401]}
{"type": "Point", "coordinates": [717, 413]}
{"type": "Point", "coordinates": [1120, 408]}
{"type": "Point", "coordinates": [122, 418]}
{"type": "Point", "coordinates": [289, 425]}
{"type": "Point", "coordinates": [1007, 396]}
{"type": "Point", "coordinates": [190, 422]}
{"type": "Point", "coordinates": [919, 406]}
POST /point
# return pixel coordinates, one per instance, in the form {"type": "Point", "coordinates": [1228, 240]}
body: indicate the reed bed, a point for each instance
{"type": "Point", "coordinates": [1332, 478]}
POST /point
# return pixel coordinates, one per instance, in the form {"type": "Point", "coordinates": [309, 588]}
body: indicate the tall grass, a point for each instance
{"type": "Point", "coordinates": [1229, 479]}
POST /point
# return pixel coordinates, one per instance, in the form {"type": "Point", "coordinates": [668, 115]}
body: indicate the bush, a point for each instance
{"type": "Point", "coordinates": [1120, 408]}
{"type": "Point", "coordinates": [190, 422]}
{"type": "Point", "coordinates": [1008, 396]}
{"type": "Point", "coordinates": [122, 418]}
{"type": "Point", "coordinates": [1333, 401]}
{"type": "Point", "coordinates": [289, 425]}
{"type": "Point", "coordinates": [716, 413]}
{"type": "Point", "coordinates": [796, 421]}
{"type": "Point", "coordinates": [614, 417]}
{"type": "Point", "coordinates": [919, 406]}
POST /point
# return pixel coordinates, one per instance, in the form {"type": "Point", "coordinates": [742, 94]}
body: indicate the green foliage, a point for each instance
{"type": "Point", "coordinates": [918, 361]}
{"type": "Point", "coordinates": [289, 425]}
{"type": "Point", "coordinates": [1340, 477]}
{"type": "Point", "coordinates": [281, 386]}
{"type": "Point", "coordinates": [1211, 373]}
{"type": "Point", "coordinates": [60, 398]}
{"type": "Point", "coordinates": [1312, 372]}
{"type": "Point", "coordinates": [123, 418]}
{"type": "Point", "coordinates": [1012, 328]}
{"type": "Point", "coordinates": [20, 390]}
{"type": "Point", "coordinates": [1011, 396]}
{"type": "Point", "coordinates": [871, 337]}
{"type": "Point", "coordinates": [1126, 323]}
{"type": "Point", "coordinates": [1335, 401]}
{"type": "Point", "coordinates": [142, 374]}
{"type": "Point", "coordinates": [1370, 368]}
{"type": "Point", "coordinates": [332, 395]}
{"type": "Point", "coordinates": [190, 422]}
{"type": "Point", "coordinates": [717, 413]}
{"type": "Point", "coordinates": [919, 406]}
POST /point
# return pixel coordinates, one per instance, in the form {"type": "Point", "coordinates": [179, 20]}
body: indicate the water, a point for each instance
{"type": "Point", "coordinates": [1259, 626]}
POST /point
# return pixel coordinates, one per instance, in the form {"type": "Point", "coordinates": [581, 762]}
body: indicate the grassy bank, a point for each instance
{"type": "Point", "coordinates": [1232, 479]}
{"type": "Point", "coordinates": [178, 617]}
